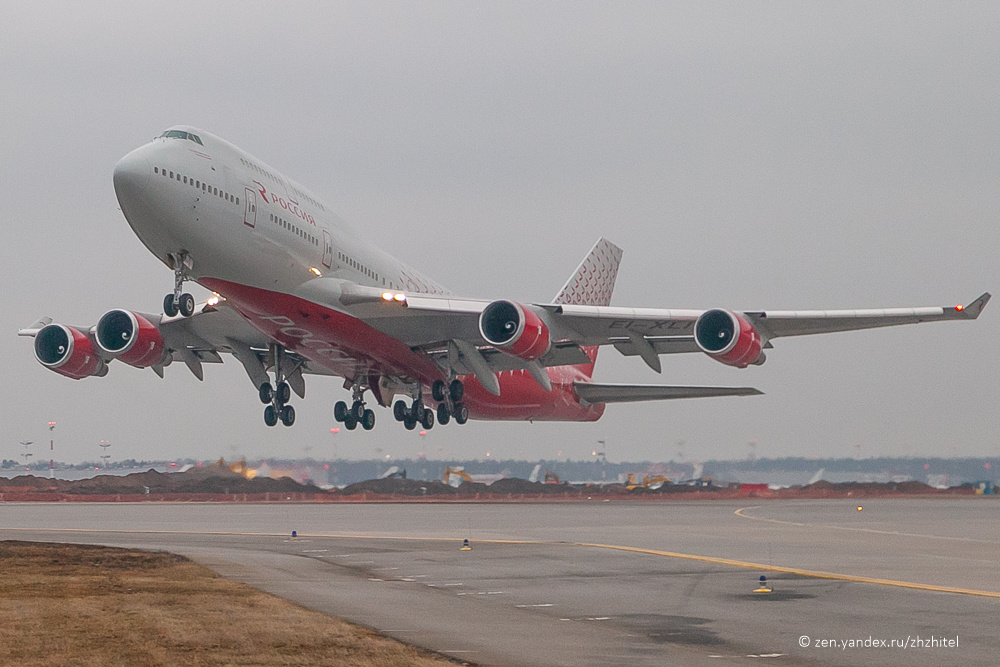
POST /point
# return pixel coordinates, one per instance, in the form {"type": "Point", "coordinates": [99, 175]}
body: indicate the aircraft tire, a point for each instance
{"type": "Point", "coordinates": [457, 390]}
{"type": "Point", "coordinates": [287, 415]}
{"type": "Point", "coordinates": [350, 423]}
{"type": "Point", "coordinates": [169, 309]}
{"type": "Point", "coordinates": [284, 392]}
{"type": "Point", "coordinates": [461, 413]}
{"type": "Point", "coordinates": [427, 419]}
{"type": "Point", "coordinates": [186, 306]}
{"type": "Point", "coordinates": [358, 411]}
{"type": "Point", "coordinates": [368, 421]}
{"type": "Point", "coordinates": [437, 390]}
{"type": "Point", "coordinates": [340, 411]}
{"type": "Point", "coordinates": [270, 415]}
{"type": "Point", "coordinates": [399, 410]}
{"type": "Point", "coordinates": [444, 415]}
{"type": "Point", "coordinates": [410, 423]}
{"type": "Point", "coordinates": [266, 393]}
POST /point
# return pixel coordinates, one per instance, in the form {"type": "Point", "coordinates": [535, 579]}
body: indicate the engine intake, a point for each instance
{"type": "Point", "coordinates": [69, 352]}
{"type": "Point", "coordinates": [729, 338]}
{"type": "Point", "coordinates": [130, 337]}
{"type": "Point", "coordinates": [517, 331]}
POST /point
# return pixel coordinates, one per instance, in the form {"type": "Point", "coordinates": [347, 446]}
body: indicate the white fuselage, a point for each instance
{"type": "Point", "coordinates": [239, 220]}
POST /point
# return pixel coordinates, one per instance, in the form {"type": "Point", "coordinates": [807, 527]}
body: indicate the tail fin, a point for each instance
{"type": "Point", "coordinates": [592, 284]}
{"type": "Point", "coordinates": [594, 280]}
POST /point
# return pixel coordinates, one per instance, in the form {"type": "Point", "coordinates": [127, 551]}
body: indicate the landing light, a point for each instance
{"type": "Point", "coordinates": [387, 296]}
{"type": "Point", "coordinates": [400, 297]}
{"type": "Point", "coordinates": [315, 270]}
{"type": "Point", "coordinates": [214, 301]}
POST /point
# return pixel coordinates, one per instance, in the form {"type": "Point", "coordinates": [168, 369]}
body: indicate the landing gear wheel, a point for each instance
{"type": "Point", "coordinates": [437, 390]}
{"type": "Point", "coordinates": [186, 305]}
{"type": "Point", "coordinates": [169, 309]}
{"type": "Point", "coordinates": [368, 420]}
{"type": "Point", "coordinates": [350, 423]}
{"type": "Point", "coordinates": [417, 411]}
{"type": "Point", "coordinates": [428, 419]}
{"type": "Point", "coordinates": [457, 390]}
{"type": "Point", "coordinates": [444, 415]}
{"type": "Point", "coordinates": [266, 393]}
{"type": "Point", "coordinates": [287, 415]}
{"type": "Point", "coordinates": [399, 410]}
{"type": "Point", "coordinates": [284, 392]}
{"type": "Point", "coordinates": [461, 413]}
{"type": "Point", "coordinates": [270, 415]}
{"type": "Point", "coordinates": [358, 410]}
{"type": "Point", "coordinates": [410, 423]}
{"type": "Point", "coordinates": [340, 411]}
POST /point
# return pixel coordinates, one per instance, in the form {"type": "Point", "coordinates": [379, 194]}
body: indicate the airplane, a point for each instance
{"type": "Point", "coordinates": [297, 292]}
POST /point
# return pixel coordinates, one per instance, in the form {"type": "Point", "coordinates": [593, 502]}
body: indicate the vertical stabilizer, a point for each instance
{"type": "Point", "coordinates": [592, 284]}
{"type": "Point", "coordinates": [594, 280]}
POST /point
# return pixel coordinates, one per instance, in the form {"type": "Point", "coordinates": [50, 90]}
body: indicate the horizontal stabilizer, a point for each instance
{"type": "Point", "coordinates": [593, 392]}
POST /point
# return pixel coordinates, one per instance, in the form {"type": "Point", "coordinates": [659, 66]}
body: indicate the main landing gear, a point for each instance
{"type": "Point", "coordinates": [450, 405]}
{"type": "Point", "coordinates": [357, 413]}
{"type": "Point", "coordinates": [177, 302]}
{"type": "Point", "coordinates": [276, 398]}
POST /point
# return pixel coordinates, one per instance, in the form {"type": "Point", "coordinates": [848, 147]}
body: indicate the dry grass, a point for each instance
{"type": "Point", "coordinates": [88, 605]}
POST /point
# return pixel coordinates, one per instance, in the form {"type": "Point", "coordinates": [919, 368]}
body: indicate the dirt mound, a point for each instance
{"type": "Point", "coordinates": [514, 485]}
{"type": "Point", "coordinates": [400, 487]}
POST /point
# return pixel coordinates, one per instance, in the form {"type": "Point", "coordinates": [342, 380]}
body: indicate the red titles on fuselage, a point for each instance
{"type": "Point", "coordinates": [289, 206]}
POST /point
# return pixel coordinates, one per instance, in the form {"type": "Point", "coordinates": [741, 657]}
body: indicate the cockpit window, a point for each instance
{"type": "Point", "coordinates": [180, 134]}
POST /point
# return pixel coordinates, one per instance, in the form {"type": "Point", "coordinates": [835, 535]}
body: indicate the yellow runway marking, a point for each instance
{"type": "Point", "coordinates": [814, 574]}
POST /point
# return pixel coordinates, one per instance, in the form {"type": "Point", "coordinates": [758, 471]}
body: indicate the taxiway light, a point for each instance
{"type": "Point", "coordinates": [465, 545]}
{"type": "Point", "coordinates": [334, 430]}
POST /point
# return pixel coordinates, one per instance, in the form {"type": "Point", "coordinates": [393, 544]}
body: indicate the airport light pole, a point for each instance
{"type": "Point", "coordinates": [52, 448]}
{"type": "Point", "coordinates": [27, 454]}
{"type": "Point", "coordinates": [104, 444]}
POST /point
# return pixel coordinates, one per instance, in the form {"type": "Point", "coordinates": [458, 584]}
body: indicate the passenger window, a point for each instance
{"type": "Point", "coordinates": [171, 174]}
{"type": "Point", "coordinates": [156, 170]}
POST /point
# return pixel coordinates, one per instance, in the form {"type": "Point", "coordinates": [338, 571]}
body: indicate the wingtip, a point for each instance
{"type": "Point", "coordinates": [973, 310]}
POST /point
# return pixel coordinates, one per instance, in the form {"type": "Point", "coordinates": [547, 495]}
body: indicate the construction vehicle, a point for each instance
{"type": "Point", "coordinates": [551, 478]}
{"type": "Point", "coordinates": [647, 482]}
{"type": "Point", "coordinates": [458, 472]}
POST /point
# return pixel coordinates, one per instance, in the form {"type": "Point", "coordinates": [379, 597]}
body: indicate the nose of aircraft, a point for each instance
{"type": "Point", "coordinates": [131, 175]}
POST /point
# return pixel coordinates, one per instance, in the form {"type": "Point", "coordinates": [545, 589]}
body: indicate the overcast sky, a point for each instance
{"type": "Point", "coordinates": [744, 155]}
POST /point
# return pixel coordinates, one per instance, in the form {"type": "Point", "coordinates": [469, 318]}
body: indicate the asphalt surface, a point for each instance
{"type": "Point", "coordinates": [602, 583]}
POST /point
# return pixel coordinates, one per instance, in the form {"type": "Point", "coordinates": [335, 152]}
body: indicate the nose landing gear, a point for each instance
{"type": "Point", "coordinates": [177, 302]}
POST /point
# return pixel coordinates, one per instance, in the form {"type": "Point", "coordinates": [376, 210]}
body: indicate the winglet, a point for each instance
{"type": "Point", "coordinates": [973, 309]}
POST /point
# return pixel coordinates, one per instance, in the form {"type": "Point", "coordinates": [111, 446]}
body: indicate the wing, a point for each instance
{"type": "Point", "coordinates": [430, 322]}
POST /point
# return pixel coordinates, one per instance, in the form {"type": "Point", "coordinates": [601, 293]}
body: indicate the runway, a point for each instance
{"type": "Point", "coordinates": [601, 583]}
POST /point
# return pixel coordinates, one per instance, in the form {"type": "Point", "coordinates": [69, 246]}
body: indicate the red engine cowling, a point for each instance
{"type": "Point", "coordinates": [728, 337]}
{"type": "Point", "coordinates": [130, 337]}
{"type": "Point", "coordinates": [68, 352]}
{"type": "Point", "coordinates": [514, 329]}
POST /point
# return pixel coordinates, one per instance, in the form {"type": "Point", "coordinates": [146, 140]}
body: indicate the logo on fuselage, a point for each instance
{"type": "Point", "coordinates": [291, 207]}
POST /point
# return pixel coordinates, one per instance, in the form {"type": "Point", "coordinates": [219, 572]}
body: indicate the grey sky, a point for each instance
{"type": "Point", "coordinates": [744, 155]}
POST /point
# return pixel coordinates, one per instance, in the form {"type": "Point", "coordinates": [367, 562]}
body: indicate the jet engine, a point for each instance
{"type": "Point", "coordinates": [130, 337]}
{"type": "Point", "coordinates": [69, 352]}
{"type": "Point", "coordinates": [515, 330]}
{"type": "Point", "coordinates": [728, 337]}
